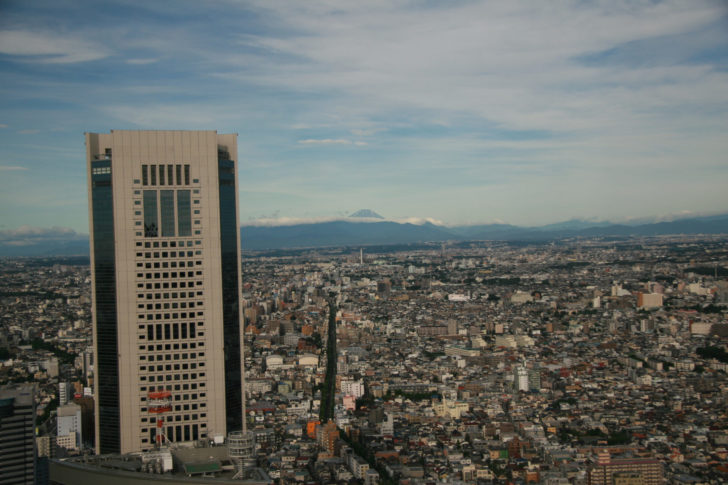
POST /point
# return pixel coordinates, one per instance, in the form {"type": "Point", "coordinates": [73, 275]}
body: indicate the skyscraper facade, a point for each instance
{"type": "Point", "coordinates": [17, 435]}
{"type": "Point", "coordinates": [165, 261]}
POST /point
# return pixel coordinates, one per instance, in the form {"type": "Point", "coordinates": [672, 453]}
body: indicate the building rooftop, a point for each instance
{"type": "Point", "coordinates": [189, 465]}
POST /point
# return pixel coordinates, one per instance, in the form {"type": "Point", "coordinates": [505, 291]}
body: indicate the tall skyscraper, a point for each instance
{"type": "Point", "coordinates": [165, 260]}
{"type": "Point", "coordinates": [17, 435]}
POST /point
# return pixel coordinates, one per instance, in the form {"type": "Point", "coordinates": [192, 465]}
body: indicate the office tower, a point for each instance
{"type": "Point", "coordinates": [165, 261]}
{"type": "Point", "coordinates": [17, 437]}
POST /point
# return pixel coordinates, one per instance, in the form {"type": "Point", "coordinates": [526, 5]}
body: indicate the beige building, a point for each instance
{"type": "Point", "coordinates": [608, 471]}
{"type": "Point", "coordinates": [165, 260]}
{"type": "Point", "coordinates": [450, 408]}
{"type": "Point", "coordinates": [649, 300]}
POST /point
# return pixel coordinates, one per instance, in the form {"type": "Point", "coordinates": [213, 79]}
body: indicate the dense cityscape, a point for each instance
{"type": "Point", "coordinates": [476, 362]}
{"type": "Point", "coordinates": [372, 243]}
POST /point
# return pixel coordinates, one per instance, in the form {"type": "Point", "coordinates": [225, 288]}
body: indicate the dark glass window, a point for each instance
{"type": "Point", "coordinates": [170, 174]}
{"type": "Point", "coordinates": [184, 218]}
{"type": "Point", "coordinates": [167, 210]}
{"type": "Point", "coordinates": [161, 175]}
{"type": "Point", "coordinates": [153, 170]}
{"type": "Point", "coordinates": [187, 175]}
{"type": "Point", "coordinates": [230, 262]}
{"type": "Point", "coordinates": [150, 213]}
{"type": "Point", "coordinates": [179, 174]}
{"type": "Point", "coordinates": [145, 175]}
{"type": "Point", "coordinates": [103, 263]}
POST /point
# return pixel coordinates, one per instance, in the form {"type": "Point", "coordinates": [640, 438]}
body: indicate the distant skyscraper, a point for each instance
{"type": "Point", "coordinates": [165, 260]}
{"type": "Point", "coordinates": [17, 435]}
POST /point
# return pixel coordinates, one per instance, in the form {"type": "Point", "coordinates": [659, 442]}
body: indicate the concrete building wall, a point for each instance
{"type": "Point", "coordinates": [169, 283]}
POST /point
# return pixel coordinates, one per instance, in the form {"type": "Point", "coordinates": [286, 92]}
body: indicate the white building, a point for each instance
{"type": "Point", "coordinates": [352, 388]}
{"type": "Point", "coordinates": [68, 426]}
{"type": "Point", "coordinates": [521, 378]}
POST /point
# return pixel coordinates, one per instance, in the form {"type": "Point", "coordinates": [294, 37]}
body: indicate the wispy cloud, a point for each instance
{"type": "Point", "coordinates": [365, 132]}
{"type": "Point", "coordinates": [330, 141]}
{"type": "Point", "coordinates": [418, 221]}
{"type": "Point", "coordinates": [288, 221]}
{"type": "Point", "coordinates": [141, 61]}
{"type": "Point", "coordinates": [11, 168]}
{"type": "Point", "coordinates": [516, 68]}
{"type": "Point", "coordinates": [47, 47]}
{"type": "Point", "coordinates": [178, 115]}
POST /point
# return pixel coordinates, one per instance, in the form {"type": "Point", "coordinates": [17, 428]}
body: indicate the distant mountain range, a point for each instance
{"type": "Point", "coordinates": [352, 233]}
{"type": "Point", "coordinates": [369, 229]}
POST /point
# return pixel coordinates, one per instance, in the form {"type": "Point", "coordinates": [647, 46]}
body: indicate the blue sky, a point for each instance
{"type": "Point", "coordinates": [459, 111]}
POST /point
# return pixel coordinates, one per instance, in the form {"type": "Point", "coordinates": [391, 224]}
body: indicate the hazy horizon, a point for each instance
{"type": "Point", "coordinates": [459, 112]}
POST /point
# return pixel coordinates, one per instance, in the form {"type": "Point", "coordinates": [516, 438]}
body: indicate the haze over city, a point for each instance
{"type": "Point", "coordinates": [458, 112]}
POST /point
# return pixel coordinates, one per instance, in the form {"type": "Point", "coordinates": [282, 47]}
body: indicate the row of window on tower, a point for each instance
{"type": "Point", "coordinates": [174, 221]}
{"type": "Point", "coordinates": [166, 174]}
{"type": "Point", "coordinates": [171, 331]}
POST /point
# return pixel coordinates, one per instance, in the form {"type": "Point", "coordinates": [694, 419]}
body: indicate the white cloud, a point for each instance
{"type": "Point", "coordinates": [289, 221]}
{"type": "Point", "coordinates": [142, 61]}
{"type": "Point", "coordinates": [11, 168]}
{"type": "Point", "coordinates": [364, 132]}
{"type": "Point", "coordinates": [3, 125]}
{"type": "Point", "coordinates": [511, 63]}
{"type": "Point", "coordinates": [325, 141]}
{"type": "Point", "coordinates": [47, 47]}
{"type": "Point", "coordinates": [29, 235]}
{"type": "Point", "coordinates": [418, 221]}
